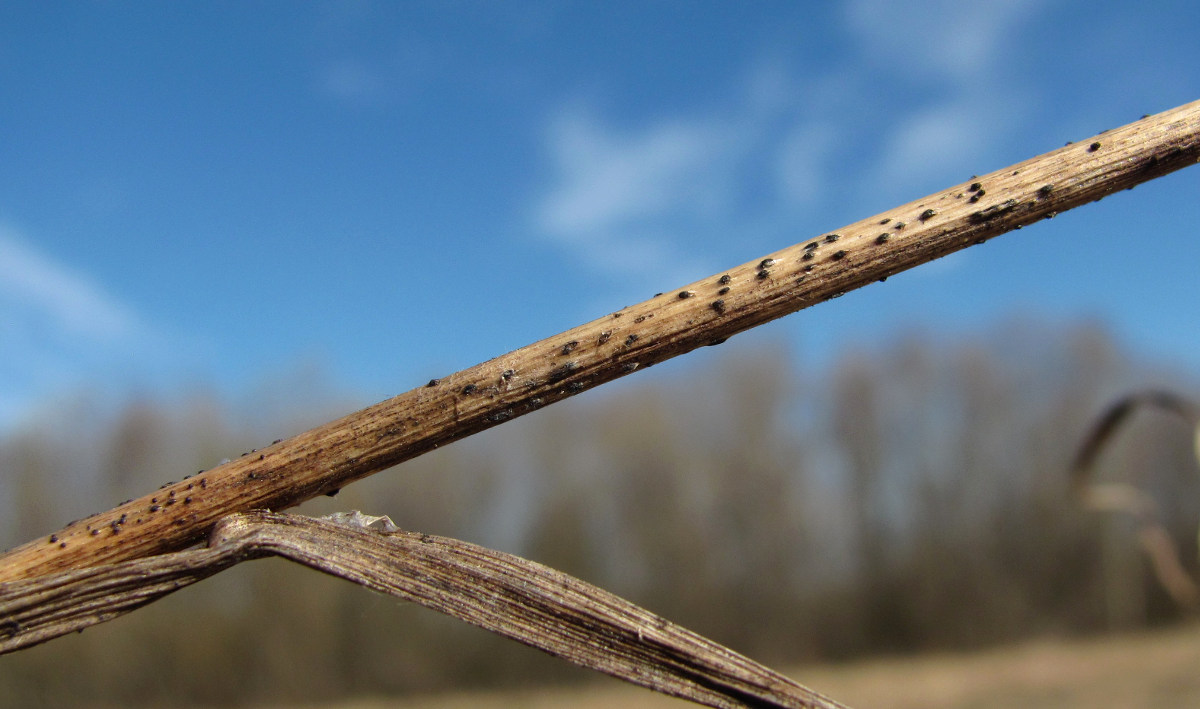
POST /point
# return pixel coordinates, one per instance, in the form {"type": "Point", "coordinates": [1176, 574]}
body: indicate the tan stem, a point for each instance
{"type": "Point", "coordinates": [678, 321]}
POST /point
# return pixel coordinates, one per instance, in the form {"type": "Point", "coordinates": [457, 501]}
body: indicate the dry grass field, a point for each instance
{"type": "Point", "coordinates": [1155, 669]}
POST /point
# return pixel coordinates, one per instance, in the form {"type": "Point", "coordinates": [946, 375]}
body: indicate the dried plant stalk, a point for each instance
{"type": "Point", "coordinates": [704, 313]}
{"type": "Point", "coordinates": [519, 599]}
{"type": "Point", "coordinates": [1128, 498]}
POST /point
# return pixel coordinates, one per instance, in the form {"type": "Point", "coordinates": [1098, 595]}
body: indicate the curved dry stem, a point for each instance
{"type": "Point", "coordinates": [520, 599]}
{"type": "Point", "coordinates": [1126, 497]}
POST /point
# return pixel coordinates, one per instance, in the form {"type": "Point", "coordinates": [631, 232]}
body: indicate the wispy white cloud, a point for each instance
{"type": "Point", "coordinates": [349, 79]}
{"type": "Point", "coordinates": [950, 52]}
{"type": "Point", "coordinates": [647, 190]}
{"type": "Point", "coordinates": [59, 329]}
{"type": "Point", "coordinates": [61, 298]}
{"type": "Point", "coordinates": [936, 39]}
{"type": "Point", "coordinates": [944, 138]}
{"type": "Point", "coordinates": [787, 135]}
{"type": "Point", "coordinates": [609, 180]}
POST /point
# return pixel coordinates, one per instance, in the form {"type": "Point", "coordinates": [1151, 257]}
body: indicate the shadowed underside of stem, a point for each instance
{"type": "Point", "coordinates": [677, 321]}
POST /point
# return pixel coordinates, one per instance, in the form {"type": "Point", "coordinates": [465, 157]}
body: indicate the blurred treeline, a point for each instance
{"type": "Point", "coordinates": [904, 498]}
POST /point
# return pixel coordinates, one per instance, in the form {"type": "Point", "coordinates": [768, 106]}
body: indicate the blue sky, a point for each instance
{"type": "Point", "coordinates": [211, 193]}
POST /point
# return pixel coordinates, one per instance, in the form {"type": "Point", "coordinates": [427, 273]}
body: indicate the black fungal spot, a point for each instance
{"type": "Point", "coordinates": [508, 373]}
{"type": "Point", "coordinates": [203, 484]}
{"type": "Point", "coordinates": [469, 389]}
{"type": "Point", "coordinates": [535, 401]}
{"type": "Point", "coordinates": [975, 198]}
{"type": "Point", "coordinates": [838, 256]}
{"type": "Point", "coordinates": [631, 339]}
{"type": "Point", "coordinates": [718, 305]}
{"type": "Point", "coordinates": [640, 319]}
{"type": "Point", "coordinates": [156, 508]}
{"type": "Point", "coordinates": [808, 268]}
{"type": "Point", "coordinates": [927, 214]}
{"type": "Point", "coordinates": [187, 500]}
{"type": "Point", "coordinates": [277, 440]}
{"type": "Point", "coordinates": [685, 294]}
{"type": "Point", "coordinates": [811, 246]}
{"type": "Point", "coordinates": [885, 220]}
{"type": "Point", "coordinates": [975, 187]}
{"type": "Point", "coordinates": [575, 387]}
{"type": "Point", "coordinates": [766, 263]}
{"type": "Point", "coordinates": [432, 383]}
{"type": "Point", "coordinates": [53, 538]}
{"type": "Point", "coordinates": [629, 367]}
{"type": "Point", "coordinates": [992, 212]}
{"type": "Point", "coordinates": [563, 371]}
{"type": "Point", "coordinates": [808, 256]}
{"type": "Point", "coordinates": [499, 416]}
{"type": "Point", "coordinates": [763, 274]}
{"type": "Point", "coordinates": [723, 291]}
{"type": "Point", "coordinates": [333, 492]}
{"type": "Point", "coordinates": [882, 238]}
{"type": "Point", "coordinates": [714, 343]}
{"type": "Point", "coordinates": [95, 532]}
{"type": "Point", "coordinates": [830, 238]}
{"type": "Point", "coordinates": [604, 337]}
{"type": "Point", "coordinates": [900, 225]}
{"type": "Point", "coordinates": [1044, 191]}
{"type": "Point", "coordinates": [1094, 147]}
{"type": "Point", "coordinates": [724, 280]}
{"type": "Point", "coordinates": [570, 346]}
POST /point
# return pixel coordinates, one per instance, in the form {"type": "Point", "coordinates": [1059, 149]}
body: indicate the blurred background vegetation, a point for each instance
{"type": "Point", "coordinates": [903, 499]}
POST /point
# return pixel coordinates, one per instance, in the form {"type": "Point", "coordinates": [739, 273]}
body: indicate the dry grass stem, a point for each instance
{"type": "Point", "coordinates": [1127, 498]}
{"type": "Point", "coordinates": [704, 313]}
{"type": "Point", "coordinates": [505, 594]}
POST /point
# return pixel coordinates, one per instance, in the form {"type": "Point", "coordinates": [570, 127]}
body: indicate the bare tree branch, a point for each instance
{"type": "Point", "coordinates": [703, 313]}
{"type": "Point", "coordinates": [505, 594]}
